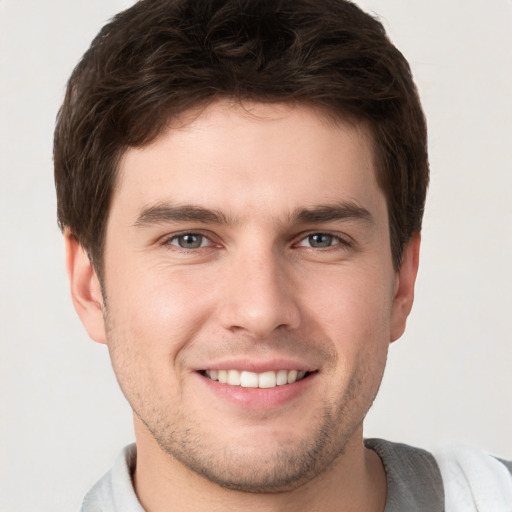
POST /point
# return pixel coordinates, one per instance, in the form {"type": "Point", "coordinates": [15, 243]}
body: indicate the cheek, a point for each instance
{"type": "Point", "coordinates": [352, 306]}
{"type": "Point", "coordinates": [154, 314]}
{"type": "Point", "coordinates": [148, 324]}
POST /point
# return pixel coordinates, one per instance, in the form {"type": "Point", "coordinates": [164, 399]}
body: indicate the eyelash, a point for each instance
{"type": "Point", "coordinates": [336, 241]}
{"type": "Point", "coordinates": [178, 236]}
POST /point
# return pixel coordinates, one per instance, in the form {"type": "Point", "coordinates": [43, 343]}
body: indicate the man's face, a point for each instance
{"type": "Point", "coordinates": [251, 245]}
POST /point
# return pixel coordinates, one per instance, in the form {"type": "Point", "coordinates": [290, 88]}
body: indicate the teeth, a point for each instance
{"type": "Point", "coordinates": [267, 380]}
{"type": "Point", "coordinates": [234, 377]}
{"type": "Point", "coordinates": [249, 380]}
{"type": "Point", "coordinates": [282, 377]}
{"type": "Point", "coordinates": [292, 376]}
{"type": "Point", "coordinates": [263, 380]}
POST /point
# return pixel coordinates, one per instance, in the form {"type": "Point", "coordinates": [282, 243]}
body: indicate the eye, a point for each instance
{"type": "Point", "coordinates": [189, 241]}
{"type": "Point", "coordinates": [320, 241]}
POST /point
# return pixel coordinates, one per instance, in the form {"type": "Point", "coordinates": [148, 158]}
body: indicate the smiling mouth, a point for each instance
{"type": "Point", "coordinates": [265, 380]}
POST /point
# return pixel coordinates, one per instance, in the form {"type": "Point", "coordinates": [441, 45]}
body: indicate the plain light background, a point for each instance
{"type": "Point", "coordinates": [62, 417]}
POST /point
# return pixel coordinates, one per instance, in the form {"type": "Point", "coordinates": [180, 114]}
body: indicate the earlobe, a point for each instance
{"type": "Point", "coordinates": [404, 289]}
{"type": "Point", "coordinates": [85, 289]}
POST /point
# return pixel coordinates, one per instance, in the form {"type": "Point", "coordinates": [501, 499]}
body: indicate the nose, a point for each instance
{"type": "Point", "coordinates": [260, 295]}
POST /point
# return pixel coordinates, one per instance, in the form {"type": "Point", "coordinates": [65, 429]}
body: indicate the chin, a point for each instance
{"type": "Point", "coordinates": [259, 466]}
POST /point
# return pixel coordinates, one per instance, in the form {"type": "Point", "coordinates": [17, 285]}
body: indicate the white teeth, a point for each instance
{"type": "Point", "coordinates": [282, 377]}
{"type": "Point", "coordinates": [267, 380]}
{"type": "Point", "coordinates": [264, 380]}
{"type": "Point", "coordinates": [292, 376]}
{"type": "Point", "coordinates": [234, 377]}
{"type": "Point", "coordinates": [249, 380]}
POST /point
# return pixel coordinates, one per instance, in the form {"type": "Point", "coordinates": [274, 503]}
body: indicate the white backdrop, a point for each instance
{"type": "Point", "coordinates": [62, 417]}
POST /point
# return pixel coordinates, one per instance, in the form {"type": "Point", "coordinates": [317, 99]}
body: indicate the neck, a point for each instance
{"type": "Point", "coordinates": [355, 481]}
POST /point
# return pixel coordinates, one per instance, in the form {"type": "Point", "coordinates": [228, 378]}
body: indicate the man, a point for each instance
{"type": "Point", "coordinates": [241, 186]}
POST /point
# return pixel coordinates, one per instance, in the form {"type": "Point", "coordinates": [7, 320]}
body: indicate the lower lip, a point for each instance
{"type": "Point", "coordinates": [259, 398]}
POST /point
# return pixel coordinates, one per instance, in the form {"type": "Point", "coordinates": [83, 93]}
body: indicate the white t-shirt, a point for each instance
{"type": "Point", "coordinates": [414, 481]}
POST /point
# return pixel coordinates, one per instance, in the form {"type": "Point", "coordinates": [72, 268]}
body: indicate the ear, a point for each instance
{"type": "Point", "coordinates": [404, 287]}
{"type": "Point", "coordinates": [85, 289]}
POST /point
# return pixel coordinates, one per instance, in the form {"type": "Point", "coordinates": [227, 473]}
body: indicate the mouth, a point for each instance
{"type": "Point", "coordinates": [264, 380]}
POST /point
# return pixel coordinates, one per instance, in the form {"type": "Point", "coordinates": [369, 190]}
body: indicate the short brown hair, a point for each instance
{"type": "Point", "coordinates": [161, 57]}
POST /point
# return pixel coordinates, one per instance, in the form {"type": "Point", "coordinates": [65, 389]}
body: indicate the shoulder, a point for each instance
{"type": "Point", "coordinates": [413, 477]}
{"type": "Point", "coordinates": [453, 478]}
{"type": "Point", "coordinates": [114, 491]}
{"type": "Point", "coordinates": [475, 480]}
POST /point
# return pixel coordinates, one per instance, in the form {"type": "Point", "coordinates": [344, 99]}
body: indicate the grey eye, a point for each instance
{"type": "Point", "coordinates": [320, 240]}
{"type": "Point", "coordinates": [189, 241]}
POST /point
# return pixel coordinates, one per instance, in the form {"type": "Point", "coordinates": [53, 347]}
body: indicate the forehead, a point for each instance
{"type": "Point", "coordinates": [242, 158]}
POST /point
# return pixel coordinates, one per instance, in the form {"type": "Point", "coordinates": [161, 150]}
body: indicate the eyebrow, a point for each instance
{"type": "Point", "coordinates": [166, 212]}
{"type": "Point", "coordinates": [332, 212]}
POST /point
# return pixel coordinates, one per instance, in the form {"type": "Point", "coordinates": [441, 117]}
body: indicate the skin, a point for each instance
{"type": "Point", "coordinates": [254, 238]}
